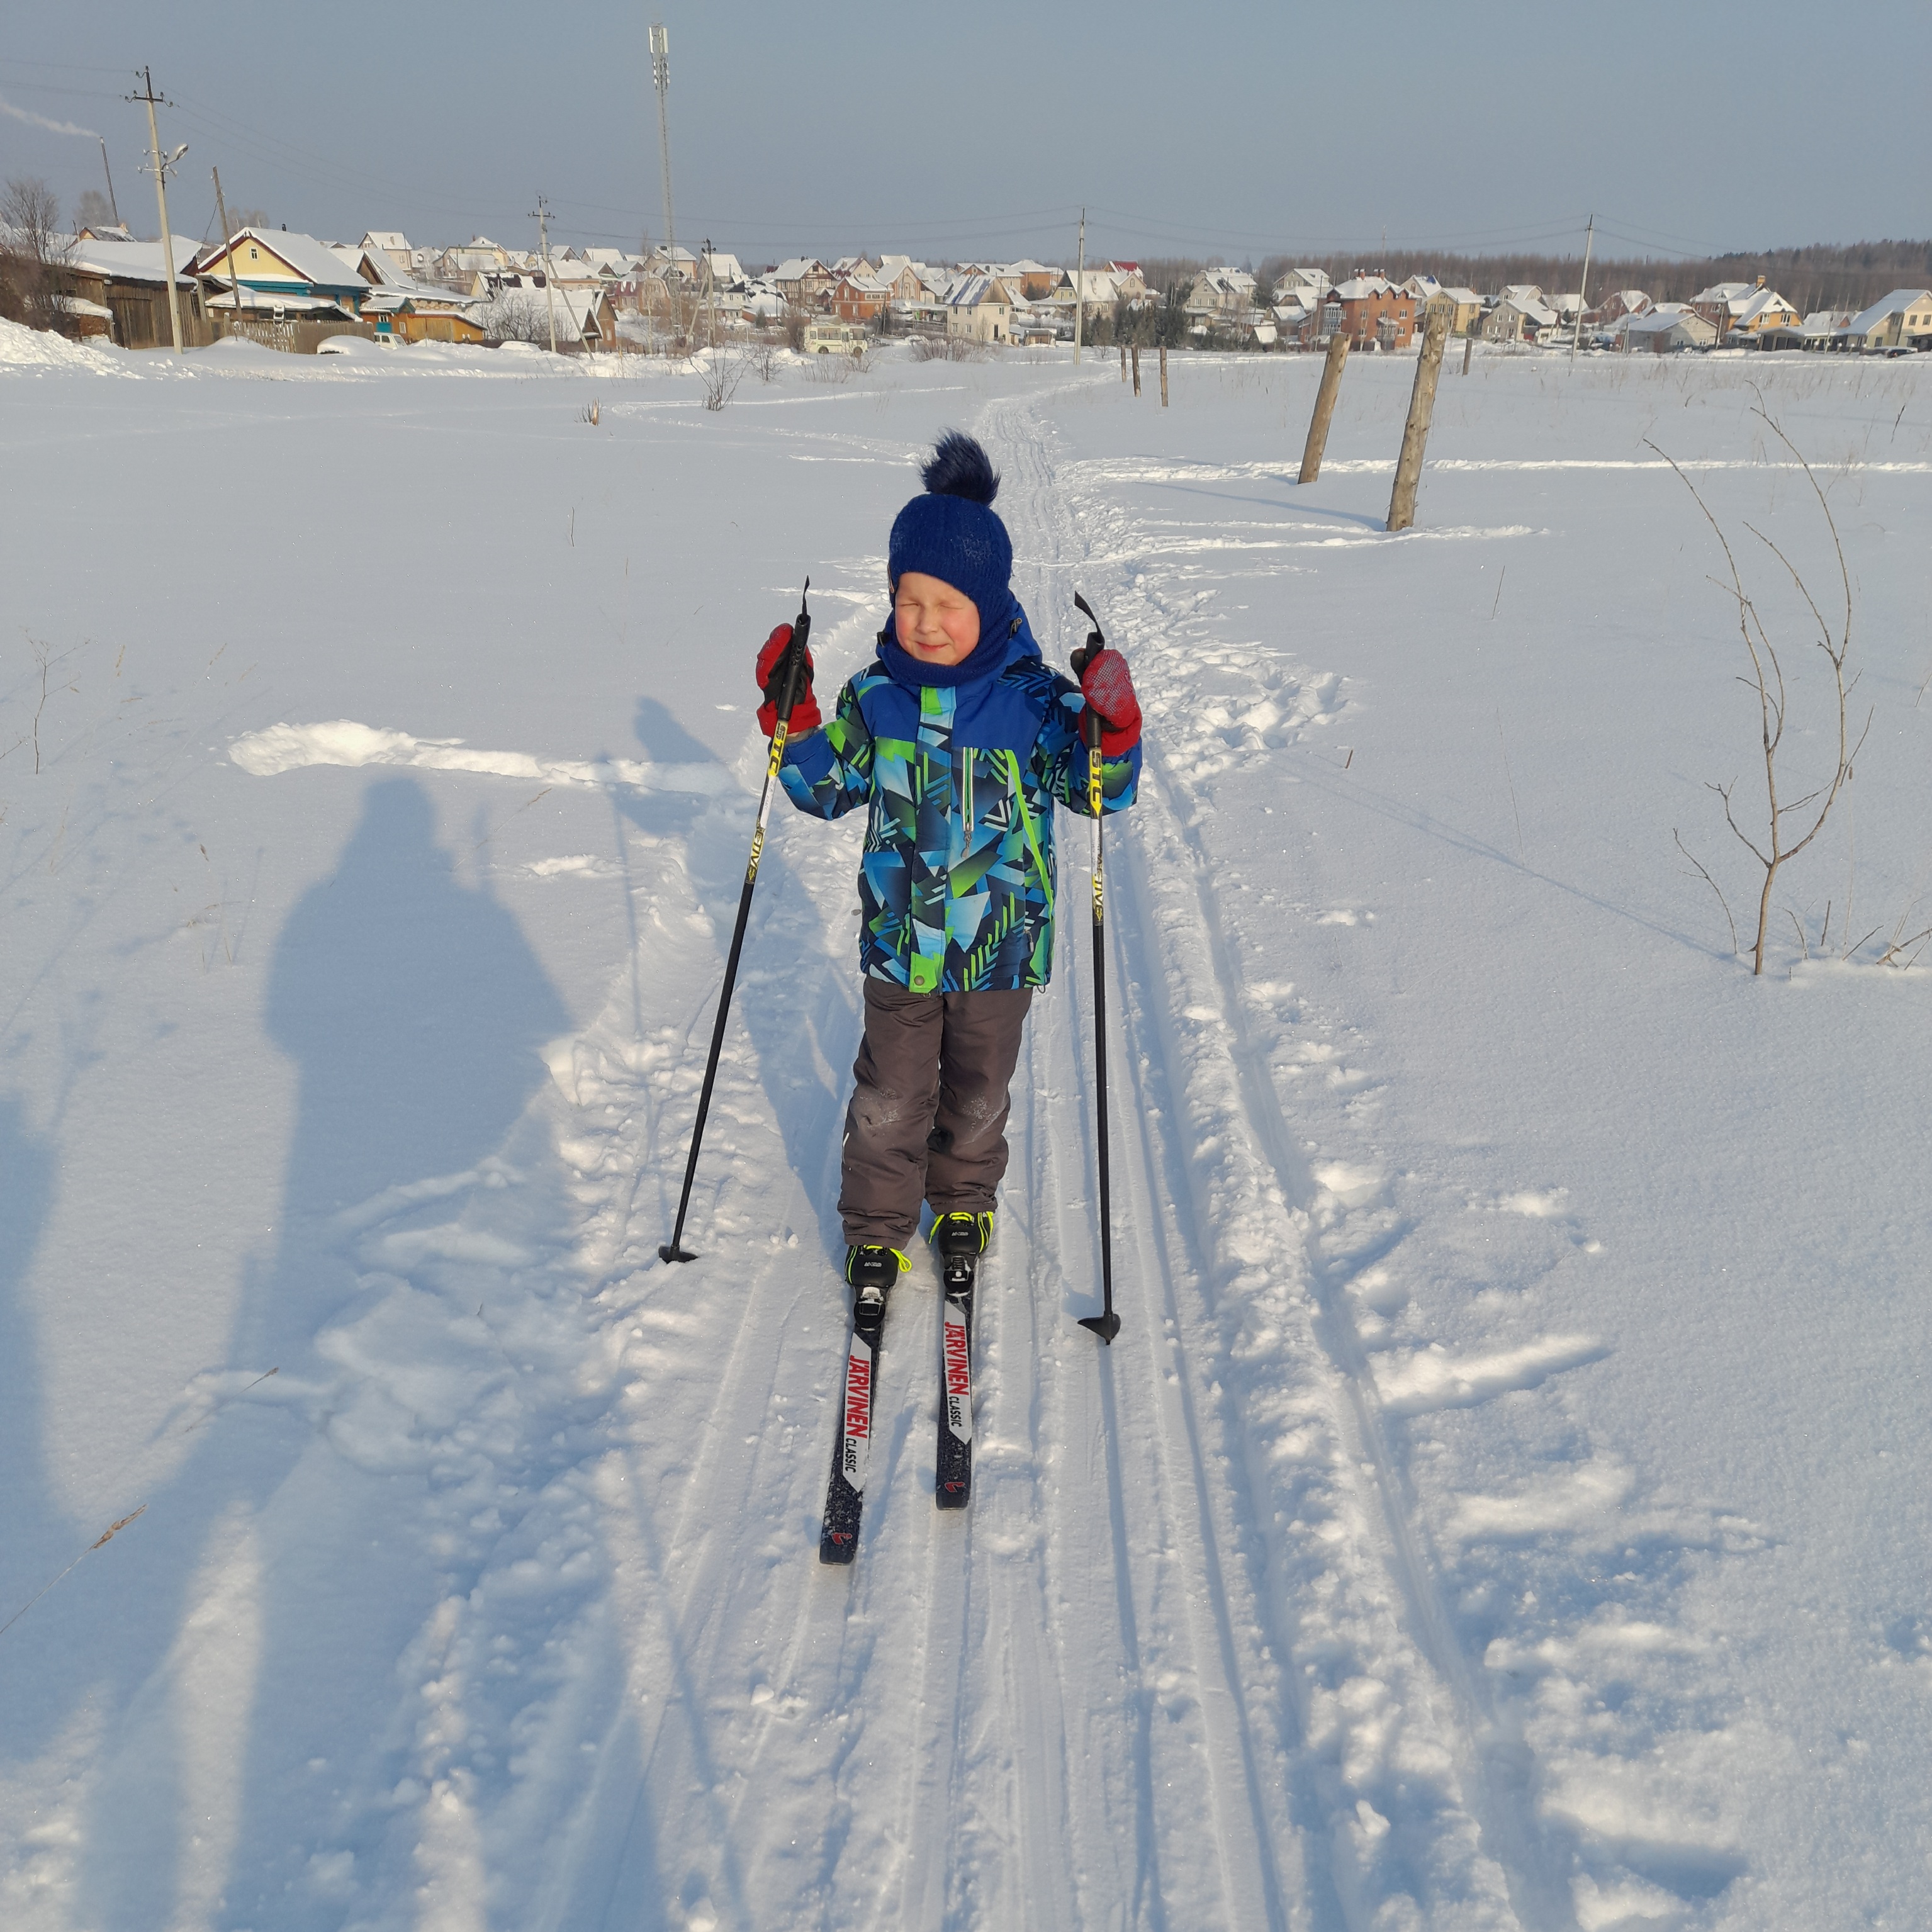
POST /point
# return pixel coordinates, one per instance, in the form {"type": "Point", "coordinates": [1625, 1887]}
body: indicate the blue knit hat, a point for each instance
{"type": "Point", "coordinates": [951, 533]}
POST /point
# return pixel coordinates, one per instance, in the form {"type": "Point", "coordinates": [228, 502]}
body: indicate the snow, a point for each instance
{"type": "Point", "coordinates": [1504, 1504]}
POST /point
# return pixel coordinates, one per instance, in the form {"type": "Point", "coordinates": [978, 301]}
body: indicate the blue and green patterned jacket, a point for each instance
{"type": "Point", "coordinates": [961, 767]}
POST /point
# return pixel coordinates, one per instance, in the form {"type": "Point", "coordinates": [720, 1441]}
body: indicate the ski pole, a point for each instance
{"type": "Point", "coordinates": [791, 664]}
{"type": "Point", "coordinates": [1106, 1324]}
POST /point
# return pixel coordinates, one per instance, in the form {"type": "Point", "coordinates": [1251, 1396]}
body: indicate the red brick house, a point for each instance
{"type": "Point", "coordinates": [1371, 309]}
{"type": "Point", "coordinates": [859, 297]}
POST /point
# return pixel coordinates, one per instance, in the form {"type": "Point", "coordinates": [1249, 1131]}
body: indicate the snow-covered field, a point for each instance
{"type": "Point", "coordinates": [1507, 1503]}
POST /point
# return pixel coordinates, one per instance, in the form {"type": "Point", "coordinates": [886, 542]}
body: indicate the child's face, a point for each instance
{"type": "Point", "coordinates": [936, 623]}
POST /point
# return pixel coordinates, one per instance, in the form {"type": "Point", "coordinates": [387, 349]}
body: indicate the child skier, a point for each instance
{"type": "Point", "coordinates": [960, 739]}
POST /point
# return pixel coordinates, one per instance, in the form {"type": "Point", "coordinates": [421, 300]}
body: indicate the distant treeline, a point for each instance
{"type": "Point", "coordinates": [1819, 277]}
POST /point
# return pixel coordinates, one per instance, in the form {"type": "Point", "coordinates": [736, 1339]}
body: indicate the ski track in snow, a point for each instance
{"type": "Point", "coordinates": [1218, 1573]}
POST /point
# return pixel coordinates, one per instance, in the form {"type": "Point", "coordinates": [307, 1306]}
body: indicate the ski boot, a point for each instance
{"type": "Point", "coordinates": [871, 1269]}
{"type": "Point", "coordinates": [959, 1239]}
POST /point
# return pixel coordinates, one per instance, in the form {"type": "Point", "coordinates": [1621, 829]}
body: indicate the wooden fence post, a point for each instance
{"type": "Point", "coordinates": [1137, 368]}
{"type": "Point", "coordinates": [1468, 350]}
{"type": "Point", "coordinates": [1415, 431]}
{"type": "Point", "coordinates": [1124, 361]}
{"type": "Point", "coordinates": [1324, 407]}
{"type": "Point", "coordinates": [1163, 375]}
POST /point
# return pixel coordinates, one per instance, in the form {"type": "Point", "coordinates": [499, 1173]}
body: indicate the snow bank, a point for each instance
{"type": "Point", "coordinates": [39, 351]}
{"type": "Point", "coordinates": [288, 748]}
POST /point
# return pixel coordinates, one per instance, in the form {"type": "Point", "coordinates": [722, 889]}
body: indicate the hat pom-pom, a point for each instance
{"type": "Point", "coordinates": [960, 467]}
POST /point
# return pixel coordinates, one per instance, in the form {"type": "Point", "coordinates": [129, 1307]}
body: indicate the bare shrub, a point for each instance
{"type": "Point", "coordinates": [761, 357]}
{"type": "Point", "coordinates": [720, 370]}
{"type": "Point", "coordinates": [836, 370]}
{"type": "Point", "coordinates": [1787, 828]}
{"type": "Point", "coordinates": [32, 251]}
{"type": "Point", "coordinates": [516, 315]}
{"type": "Point", "coordinates": [948, 349]}
{"type": "Point", "coordinates": [794, 322]}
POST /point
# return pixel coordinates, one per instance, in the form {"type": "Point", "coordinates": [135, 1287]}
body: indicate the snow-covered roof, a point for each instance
{"type": "Point", "coordinates": [1662, 321]}
{"type": "Point", "coordinates": [392, 301]}
{"type": "Point", "coordinates": [1759, 303]}
{"type": "Point", "coordinates": [971, 290]}
{"type": "Point", "coordinates": [1531, 310]}
{"type": "Point", "coordinates": [1725, 292]}
{"type": "Point", "coordinates": [359, 260]}
{"type": "Point", "coordinates": [297, 257]}
{"type": "Point", "coordinates": [1359, 288]}
{"type": "Point", "coordinates": [1897, 303]}
{"type": "Point", "coordinates": [261, 301]}
{"type": "Point", "coordinates": [391, 238]}
{"type": "Point", "coordinates": [796, 268]}
{"type": "Point", "coordinates": [1462, 297]}
{"type": "Point", "coordinates": [131, 261]}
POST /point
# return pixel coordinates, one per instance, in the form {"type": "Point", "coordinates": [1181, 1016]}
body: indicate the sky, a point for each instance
{"type": "Point", "coordinates": [1227, 131]}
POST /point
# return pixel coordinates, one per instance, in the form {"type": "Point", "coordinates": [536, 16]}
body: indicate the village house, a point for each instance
{"type": "Point", "coordinates": [1617, 303]}
{"type": "Point", "coordinates": [1302, 287]}
{"type": "Point", "coordinates": [290, 277]}
{"type": "Point", "coordinates": [1030, 280]}
{"type": "Point", "coordinates": [420, 314]}
{"type": "Point", "coordinates": [1667, 327]}
{"type": "Point", "coordinates": [803, 281]}
{"type": "Point", "coordinates": [394, 245]}
{"type": "Point", "coordinates": [460, 266]}
{"type": "Point", "coordinates": [859, 296]}
{"type": "Point", "coordinates": [1219, 296]}
{"type": "Point", "coordinates": [1293, 323]}
{"type": "Point", "coordinates": [1522, 315]}
{"type": "Point", "coordinates": [1903, 320]}
{"type": "Point", "coordinates": [1726, 306]}
{"type": "Point", "coordinates": [1370, 309]}
{"type": "Point", "coordinates": [119, 290]}
{"type": "Point", "coordinates": [1461, 309]}
{"type": "Point", "coordinates": [979, 307]}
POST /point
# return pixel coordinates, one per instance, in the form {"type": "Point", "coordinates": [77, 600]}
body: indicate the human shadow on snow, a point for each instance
{"type": "Point", "coordinates": [414, 1010]}
{"type": "Point", "coordinates": [37, 1541]}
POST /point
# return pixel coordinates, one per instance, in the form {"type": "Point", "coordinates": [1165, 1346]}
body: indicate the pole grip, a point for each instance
{"type": "Point", "coordinates": [792, 664]}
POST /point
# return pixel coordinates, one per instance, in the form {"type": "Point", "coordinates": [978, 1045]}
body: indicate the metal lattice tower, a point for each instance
{"type": "Point", "coordinates": [661, 79]}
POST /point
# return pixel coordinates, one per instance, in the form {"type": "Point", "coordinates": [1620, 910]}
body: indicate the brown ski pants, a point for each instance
{"type": "Point", "coordinates": [928, 1116]}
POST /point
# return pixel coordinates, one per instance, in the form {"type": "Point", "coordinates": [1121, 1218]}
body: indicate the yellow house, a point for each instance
{"type": "Point", "coordinates": [1463, 306]}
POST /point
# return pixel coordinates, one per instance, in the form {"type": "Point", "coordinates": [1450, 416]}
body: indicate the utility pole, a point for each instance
{"type": "Point", "coordinates": [1080, 291]}
{"type": "Point", "coordinates": [228, 243]}
{"type": "Point", "coordinates": [542, 214]}
{"type": "Point", "coordinates": [710, 297]}
{"type": "Point", "coordinates": [161, 168]}
{"type": "Point", "coordinates": [110, 173]}
{"type": "Point", "coordinates": [1582, 292]}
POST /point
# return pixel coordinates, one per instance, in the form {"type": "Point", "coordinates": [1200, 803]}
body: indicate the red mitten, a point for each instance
{"type": "Point", "coordinates": [1109, 692]}
{"type": "Point", "coordinates": [805, 715]}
